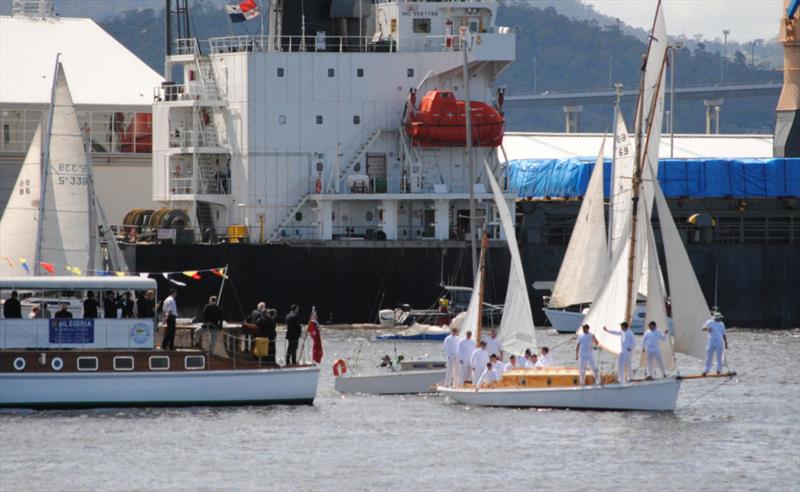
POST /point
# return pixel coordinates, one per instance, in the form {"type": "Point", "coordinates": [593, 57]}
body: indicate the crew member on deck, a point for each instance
{"type": "Point", "coordinates": [717, 339]}
{"type": "Point", "coordinates": [465, 349]}
{"type": "Point", "coordinates": [478, 360]}
{"type": "Point", "coordinates": [651, 344]}
{"type": "Point", "coordinates": [511, 365]}
{"type": "Point", "coordinates": [450, 347]}
{"type": "Point", "coordinates": [265, 328]}
{"type": "Point", "coordinates": [145, 305]}
{"type": "Point", "coordinates": [109, 305]}
{"type": "Point", "coordinates": [170, 309]}
{"type": "Point", "coordinates": [493, 344]}
{"type": "Point", "coordinates": [90, 306]}
{"type": "Point", "coordinates": [545, 360]}
{"type": "Point", "coordinates": [487, 378]}
{"type": "Point", "coordinates": [627, 344]}
{"type": "Point", "coordinates": [293, 332]}
{"type": "Point", "coordinates": [127, 304]}
{"type": "Point", "coordinates": [584, 355]}
{"type": "Point", "coordinates": [212, 321]}
{"type": "Point", "coordinates": [444, 308]}
{"type": "Point", "coordinates": [63, 312]}
{"type": "Point", "coordinates": [12, 308]}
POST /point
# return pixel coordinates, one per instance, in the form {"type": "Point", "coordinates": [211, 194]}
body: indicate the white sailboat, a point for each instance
{"type": "Point", "coordinates": [52, 216]}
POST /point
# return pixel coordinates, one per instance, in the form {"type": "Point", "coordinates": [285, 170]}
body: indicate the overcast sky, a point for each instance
{"type": "Point", "coordinates": [745, 19]}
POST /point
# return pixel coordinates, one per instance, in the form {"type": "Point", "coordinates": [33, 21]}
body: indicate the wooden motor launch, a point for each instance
{"type": "Point", "coordinates": [441, 121]}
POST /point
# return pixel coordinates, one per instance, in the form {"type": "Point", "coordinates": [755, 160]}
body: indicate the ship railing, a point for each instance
{"type": "Point", "coordinates": [186, 138]}
{"type": "Point", "coordinates": [186, 46]}
{"type": "Point", "coordinates": [239, 348]}
{"type": "Point", "coordinates": [321, 43]}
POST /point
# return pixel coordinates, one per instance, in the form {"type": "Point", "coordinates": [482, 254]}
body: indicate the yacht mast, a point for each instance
{"type": "Point", "coordinates": [479, 321]}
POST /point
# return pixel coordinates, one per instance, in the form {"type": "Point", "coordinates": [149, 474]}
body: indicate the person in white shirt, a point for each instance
{"type": "Point", "coordinates": [497, 366]}
{"type": "Point", "coordinates": [487, 378]}
{"type": "Point", "coordinates": [511, 364]}
{"type": "Point", "coordinates": [652, 348]}
{"type": "Point", "coordinates": [170, 317]}
{"type": "Point", "coordinates": [627, 344]}
{"type": "Point", "coordinates": [465, 349]}
{"type": "Point", "coordinates": [544, 359]}
{"type": "Point", "coordinates": [450, 347]}
{"type": "Point", "coordinates": [524, 361]}
{"type": "Point", "coordinates": [584, 355]}
{"type": "Point", "coordinates": [478, 360]}
{"type": "Point", "coordinates": [717, 339]}
{"type": "Point", "coordinates": [493, 345]}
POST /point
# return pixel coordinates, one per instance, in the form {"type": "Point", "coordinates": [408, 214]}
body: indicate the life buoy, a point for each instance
{"type": "Point", "coordinates": [318, 186]}
{"type": "Point", "coordinates": [19, 364]}
{"type": "Point", "coordinates": [339, 367]}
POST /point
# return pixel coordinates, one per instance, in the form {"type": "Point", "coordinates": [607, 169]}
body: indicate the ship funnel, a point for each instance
{"type": "Point", "coordinates": [786, 141]}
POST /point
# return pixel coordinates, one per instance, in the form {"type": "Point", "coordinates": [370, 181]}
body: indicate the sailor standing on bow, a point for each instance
{"type": "Point", "coordinates": [652, 348]}
{"type": "Point", "coordinates": [717, 339]}
{"type": "Point", "coordinates": [583, 352]}
{"type": "Point", "coordinates": [451, 353]}
{"type": "Point", "coordinates": [628, 343]}
{"type": "Point", "coordinates": [465, 349]}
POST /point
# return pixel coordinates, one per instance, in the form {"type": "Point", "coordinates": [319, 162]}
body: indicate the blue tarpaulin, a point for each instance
{"type": "Point", "coordinates": [679, 178]}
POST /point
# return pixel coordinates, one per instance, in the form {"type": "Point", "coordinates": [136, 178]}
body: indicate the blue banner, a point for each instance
{"type": "Point", "coordinates": [65, 330]}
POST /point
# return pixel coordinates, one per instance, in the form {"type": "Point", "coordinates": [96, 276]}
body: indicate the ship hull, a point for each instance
{"type": "Point", "coordinates": [396, 383]}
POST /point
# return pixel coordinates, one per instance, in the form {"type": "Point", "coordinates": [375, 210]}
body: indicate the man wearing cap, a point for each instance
{"type": "Point", "coordinates": [583, 352]}
{"type": "Point", "coordinates": [478, 360]}
{"type": "Point", "coordinates": [717, 339]}
{"type": "Point", "coordinates": [651, 344]}
{"type": "Point", "coordinates": [627, 344]}
{"type": "Point", "coordinates": [465, 349]}
{"type": "Point", "coordinates": [450, 347]}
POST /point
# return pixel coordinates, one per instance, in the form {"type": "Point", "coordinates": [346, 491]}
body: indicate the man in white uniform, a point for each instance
{"type": "Point", "coordinates": [511, 364]}
{"type": "Point", "coordinates": [488, 377]}
{"type": "Point", "coordinates": [545, 360]}
{"type": "Point", "coordinates": [717, 339]}
{"type": "Point", "coordinates": [497, 366]}
{"type": "Point", "coordinates": [450, 347]}
{"type": "Point", "coordinates": [478, 360]}
{"type": "Point", "coordinates": [465, 349]}
{"type": "Point", "coordinates": [583, 352]}
{"type": "Point", "coordinates": [524, 361]}
{"type": "Point", "coordinates": [627, 344]}
{"type": "Point", "coordinates": [652, 348]}
{"type": "Point", "coordinates": [493, 345]}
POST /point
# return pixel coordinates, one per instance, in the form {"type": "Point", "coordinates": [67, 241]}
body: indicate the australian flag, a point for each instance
{"type": "Point", "coordinates": [244, 11]}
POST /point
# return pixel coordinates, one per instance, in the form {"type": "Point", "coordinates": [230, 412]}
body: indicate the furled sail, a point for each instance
{"type": "Point", "coordinates": [19, 222]}
{"type": "Point", "coordinates": [586, 261]}
{"type": "Point", "coordinates": [689, 306]}
{"type": "Point", "coordinates": [517, 331]}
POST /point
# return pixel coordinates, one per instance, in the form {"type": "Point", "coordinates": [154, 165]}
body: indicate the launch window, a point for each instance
{"type": "Point", "coordinates": [422, 25]}
{"type": "Point", "coordinates": [280, 72]}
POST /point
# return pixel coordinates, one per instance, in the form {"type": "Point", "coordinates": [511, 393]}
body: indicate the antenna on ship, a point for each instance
{"type": "Point", "coordinates": [177, 11]}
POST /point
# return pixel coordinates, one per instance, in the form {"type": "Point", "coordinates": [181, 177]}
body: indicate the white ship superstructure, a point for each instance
{"type": "Point", "coordinates": [299, 133]}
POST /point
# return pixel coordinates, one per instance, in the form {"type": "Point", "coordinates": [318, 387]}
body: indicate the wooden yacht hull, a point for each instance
{"type": "Point", "coordinates": [296, 385]}
{"type": "Point", "coordinates": [390, 383]}
{"type": "Point", "coordinates": [658, 395]}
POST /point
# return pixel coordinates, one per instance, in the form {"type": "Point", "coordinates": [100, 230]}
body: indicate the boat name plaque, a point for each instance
{"type": "Point", "coordinates": [71, 331]}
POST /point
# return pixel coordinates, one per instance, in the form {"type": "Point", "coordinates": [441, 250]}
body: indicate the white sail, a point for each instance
{"type": "Point", "coordinates": [622, 192]}
{"type": "Point", "coordinates": [64, 233]}
{"type": "Point", "coordinates": [20, 218]}
{"type": "Point", "coordinates": [609, 309]}
{"type": "Point", "coordinates": [585, 263]}
{"type": "Point", "coordinates": [689, 306]}
{"type": "Point", "coordinates": [517, 331]}
{"type": "Point", "coordinates": [474, 310]}
{"type": "Point", "coordinates": [656, 299]}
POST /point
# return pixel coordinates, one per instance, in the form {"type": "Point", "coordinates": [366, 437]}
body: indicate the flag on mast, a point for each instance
{"type": "Point", "coordinates": [244, 11]}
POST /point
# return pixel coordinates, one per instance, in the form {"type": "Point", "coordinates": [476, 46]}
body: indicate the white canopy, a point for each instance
{"type": "Point", "coordinates": [75, 282]}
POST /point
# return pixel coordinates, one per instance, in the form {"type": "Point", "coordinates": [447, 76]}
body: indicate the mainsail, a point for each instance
{"type": "Point", "coordinates": [517, 331]}
{"type": "Point", "coordinates": [586, 261]}
{"type": "Point", "coordinates": [622, 179]}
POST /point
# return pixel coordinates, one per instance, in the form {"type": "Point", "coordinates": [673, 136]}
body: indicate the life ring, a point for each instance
{"type": "Point", "coordinates": [57, 363]}
{"type": "Point", "coordinates": [339, 367]}
{"type": "Point", "coordinates": [19, 364]}
{"type": "Point", "coordinates": [318, 186]}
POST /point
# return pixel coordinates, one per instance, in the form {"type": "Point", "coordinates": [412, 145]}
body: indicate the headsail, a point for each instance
{"type": "Point", "coordinates": [517, 331]}
{"type": "Point", "coordinates": [585, 263]}
{"type": "Point", "coordinates": [656, 299]}
{"type": "Point", "coordinates": [474, 310]}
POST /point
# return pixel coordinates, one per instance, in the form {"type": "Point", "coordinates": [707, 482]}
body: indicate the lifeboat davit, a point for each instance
{"type": "Point", "coordinates": [441, 121]}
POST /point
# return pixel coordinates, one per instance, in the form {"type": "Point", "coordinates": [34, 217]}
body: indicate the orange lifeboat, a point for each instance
{"type": "Point", "coordinates": [440, 121]}
{"type": "Point", "coordinates": [139, 135]}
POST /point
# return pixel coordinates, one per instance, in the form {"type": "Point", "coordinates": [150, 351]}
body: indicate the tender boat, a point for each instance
{"type": "Point", "coordinates": [409, 377]}
{"type": "Point", "coordinates": [76, 362]}
{"type": "Point", "coordinates": [417, 333]}
{"type": "Point", "coordinates": [441, 121]}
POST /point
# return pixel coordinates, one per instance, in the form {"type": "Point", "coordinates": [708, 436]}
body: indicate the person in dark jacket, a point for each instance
{"type": "Point", "coordinates": [63, 312]}
{"type": "Point", "coordinates": [293, 332]}
{"type": "Point", "coordinates": [12, 308]}
{"type": "Point", "coordinates": [109, 305]}
{"type": "Point", "coordinates": [266, 329]}
{"type": "Point", "coordinates": [127, 304]}
{"type": "Point", "coordinates": [146, 304]}
{"type": "Point", "coordinates": [212, 321]}
{"type": "Point", "coordinates": [90, 306]}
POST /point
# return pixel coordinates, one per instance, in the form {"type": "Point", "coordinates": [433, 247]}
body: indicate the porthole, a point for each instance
{"type": "Point", "coordinates": [19, 364]}
{"type": "Point", "coordinates": [193, 362]}
{"type": "Point", "coordinates": [87, 363]}
{"type": "Point", "coordinates": [123, 363]}
{"type": "Point", "coordinates": [158, 363]}
{"type": "Point", "coordinates": [57, 363]}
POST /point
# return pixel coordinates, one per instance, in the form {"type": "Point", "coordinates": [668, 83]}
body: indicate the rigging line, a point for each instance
{"type": "Point", "coordinates": [715, 388]}
{"type": "Point", "coordinates": [380, 285]}
{"type": "Point", "coordinates": [238, 301]}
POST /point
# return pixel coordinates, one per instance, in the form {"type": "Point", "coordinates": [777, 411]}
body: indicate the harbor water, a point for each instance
{"type": "Point", "coordinates": [743, 434]}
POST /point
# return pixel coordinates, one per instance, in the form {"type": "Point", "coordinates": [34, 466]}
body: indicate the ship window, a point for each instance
{"type": "Point", "coordinates": [360, 72]}
{"type": "Point", "coordinates": [422, 25]}
{"type": "Point", "coordinates": [356, 119]}
{"type": "Point", "coordinates": [319, 119]}
{"type": "Point", "coordinates": [331, 72]}
{"type": "Point", "coordinates": [369, 216]}
{"type": "Point", "coordinates": [298, 217]}
{"type": "Point", "coordinates": [159, 363]}
{"type": "Point", "coordinates": [194, 362]}
{"type": "Point", "coordinates": [410, 72]}
{"type": "Point", "coordinates": [123, 363]}
{"type": "Point", "coordinates": [281, 119]}
{"type": "Point", "coordinates": [280, 72]}
{"type": "Point", "coordinates": [87, 363]}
